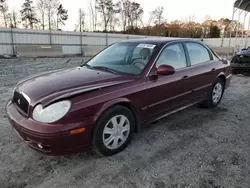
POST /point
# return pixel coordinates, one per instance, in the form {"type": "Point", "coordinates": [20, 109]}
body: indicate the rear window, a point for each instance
{"type": "Point", "coordinates": [197, 53]}
{"type": "Point", "coordinates": [173, 55]}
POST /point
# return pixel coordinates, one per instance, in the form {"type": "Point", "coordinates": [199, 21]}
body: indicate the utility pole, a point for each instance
{"type": "Point", "coordinates": [80, 12]}
{"type": "Point", "coordinates": [80, 20]}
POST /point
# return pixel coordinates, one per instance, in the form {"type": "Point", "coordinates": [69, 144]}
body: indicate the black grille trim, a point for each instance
{"type": "Point", "coordinates": [21, 102]}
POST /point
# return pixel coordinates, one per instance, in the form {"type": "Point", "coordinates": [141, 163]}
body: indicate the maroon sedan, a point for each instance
{"type": "Point", "coordinates": [102, 103]}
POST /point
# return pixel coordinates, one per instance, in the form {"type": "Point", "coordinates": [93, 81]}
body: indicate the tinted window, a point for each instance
{"type": "Point", "coordinates": [173, 55]}
{"type": "Point", "coordinates": [197, 53]}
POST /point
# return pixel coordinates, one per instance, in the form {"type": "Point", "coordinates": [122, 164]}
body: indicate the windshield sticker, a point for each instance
{"type": "Point", "coordinates": [150, 46]}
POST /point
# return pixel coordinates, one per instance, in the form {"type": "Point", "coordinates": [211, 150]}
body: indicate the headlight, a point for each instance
{"type": "Point", "coordinates": [51, 113]}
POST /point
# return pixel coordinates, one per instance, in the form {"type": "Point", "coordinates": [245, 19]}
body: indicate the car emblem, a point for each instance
{"type": "Point", "coordinates": [19, 101]}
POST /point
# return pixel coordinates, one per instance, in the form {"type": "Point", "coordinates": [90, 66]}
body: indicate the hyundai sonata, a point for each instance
{"type": "Point", "coordinates": [101, 104]}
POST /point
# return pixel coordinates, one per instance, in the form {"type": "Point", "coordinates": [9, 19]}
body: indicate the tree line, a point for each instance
{"type": "Point", "coordinates": [123, 16]}
{"type": "Point", "coordinates": [41, 14]}
{"type": "Point", "coordinates": [190, 28]}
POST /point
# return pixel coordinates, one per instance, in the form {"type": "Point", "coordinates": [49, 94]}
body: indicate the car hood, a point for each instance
{"type": "Point", "coordinates": [54, 85]}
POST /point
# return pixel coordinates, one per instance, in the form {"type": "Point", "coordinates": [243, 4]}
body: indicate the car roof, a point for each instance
{"type": "Point", "coordinates": [159, 40]}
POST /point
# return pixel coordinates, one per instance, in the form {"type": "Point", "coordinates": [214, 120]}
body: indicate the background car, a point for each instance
{"type": "Point", "coordinates": [241, 62]}
{"type": "Point", "coordinates": [102, 103]}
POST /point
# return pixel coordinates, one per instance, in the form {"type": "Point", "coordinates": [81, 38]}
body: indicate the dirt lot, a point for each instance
{"type": "Point", "coordinates": [194, 148]}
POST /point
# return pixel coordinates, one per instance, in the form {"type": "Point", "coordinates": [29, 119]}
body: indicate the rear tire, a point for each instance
{"type": "Point", "coordinates": [113, 131]}
{"type": "Point", "coordinates": [215, 95]}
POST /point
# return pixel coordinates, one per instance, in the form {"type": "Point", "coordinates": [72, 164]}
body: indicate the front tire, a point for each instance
{"type": "Point", "coordinates": [215, 94]}
{"type": "Point", "coordinates": [113, 131]}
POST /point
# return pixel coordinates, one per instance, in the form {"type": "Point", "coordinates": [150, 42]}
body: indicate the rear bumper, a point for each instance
{"type": "Point", "coordinates": [54, 143]}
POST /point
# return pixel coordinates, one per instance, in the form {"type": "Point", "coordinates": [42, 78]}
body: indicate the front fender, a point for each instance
{"type": "Point", "coordinates": [133, 108]}
{"type": "Point", "coordinates": [108, 104]}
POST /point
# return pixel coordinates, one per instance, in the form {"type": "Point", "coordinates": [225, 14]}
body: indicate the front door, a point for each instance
{"type": "Point", "coordinates": [168, 92]}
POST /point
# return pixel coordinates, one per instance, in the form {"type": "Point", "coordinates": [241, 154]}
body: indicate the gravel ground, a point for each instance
{"type": "Point", "coordinates": [203, 148]}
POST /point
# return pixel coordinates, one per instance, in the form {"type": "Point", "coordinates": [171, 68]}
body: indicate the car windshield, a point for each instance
{"type": "Point", "coordinates": [123, 58]}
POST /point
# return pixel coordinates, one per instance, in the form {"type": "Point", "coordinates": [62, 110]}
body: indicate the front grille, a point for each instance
{"type": "Point", "coordinates": [21, 102]}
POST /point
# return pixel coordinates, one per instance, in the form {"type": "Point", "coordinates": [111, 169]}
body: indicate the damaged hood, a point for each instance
{"type": "Point", "coordinates": [54, 85]}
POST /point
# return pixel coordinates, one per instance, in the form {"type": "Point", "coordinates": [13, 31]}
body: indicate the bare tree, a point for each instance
{"type": "Point", "coordinates": [4, 11]}
{"type": "Point", "coordinates": [124, 12]}
{"type": "Point", "coordinates": [135, 14]}
{"type": "Point", "coordinates": [51, 10]}
{"type": "Point", "coordinates": [107, 9]}
{"type": "Point", "coordinates": [14, 18]}
{"type": "Point", "coordinates": [82, 17]}
{"type": "Point", "coordinates": [131, 14]}
{"type": "Point", "coordinates": [40, 7]}
{"type": "Point", "coordinates": [114, 22]}
{"type": "Point", "coordinates": [207, 17]}
{"type": "Point", "coordinates": [190, 25]}
{"type": "Point", "coordinates": [28, 13]}
{"type": "Point", "coordinates": [147, 27]}
{"type": "Point", "coordinates": [207, 21]}
{"type": "Point", "coordinates": [157, 15]}
{"type": "Point", "coordinates": [190, 19]}
{"type": "Point", "coordinates": [81, 21]}
{"type": "Point", "coordinates": [9, 20]}
{"type": "Point", "coordinates": [151, 18]}
{"type": "Point", "coordinates": [224, 25]}
{"type": "Point", "coordinates": [61, 15]}
{"type": "Point", "coordinates": [93, 13]}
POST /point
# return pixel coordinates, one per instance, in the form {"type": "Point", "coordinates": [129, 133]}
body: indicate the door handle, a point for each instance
{"type": "Point", "coordinates": [213, 69]}
{"type": "Point", "coordinates": [185, 77]}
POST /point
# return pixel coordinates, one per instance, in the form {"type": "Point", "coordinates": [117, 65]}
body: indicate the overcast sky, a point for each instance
{"type": "Point", "coordinates": [174, 9]}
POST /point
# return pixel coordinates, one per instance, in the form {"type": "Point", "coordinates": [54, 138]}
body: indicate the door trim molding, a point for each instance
{"type": "Point", "coordinates": [202, 87]}
{"type": "Point", "coordinates": [165, 100]}
{"type": "Point", "coordinates": [177, 110]}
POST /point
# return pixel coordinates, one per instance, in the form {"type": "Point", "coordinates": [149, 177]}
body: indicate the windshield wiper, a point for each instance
{"type": "Point", "coordinates": [88, 66]}
{"type": "Point", "coordinates": [104, 68]}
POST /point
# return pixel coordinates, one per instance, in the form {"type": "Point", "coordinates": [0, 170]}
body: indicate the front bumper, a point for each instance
{"type": "Point", "coordinates": [56, 142]}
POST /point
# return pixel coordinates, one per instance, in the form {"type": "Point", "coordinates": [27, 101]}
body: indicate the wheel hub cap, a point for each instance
{"type": "Point", "coordinates": [116, 132]}
{"type": "Point", "coordinates": [217, 93]}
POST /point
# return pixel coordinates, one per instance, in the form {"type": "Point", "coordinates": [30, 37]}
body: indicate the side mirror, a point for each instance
{"type": "Point", "coordinates": [165, 70]}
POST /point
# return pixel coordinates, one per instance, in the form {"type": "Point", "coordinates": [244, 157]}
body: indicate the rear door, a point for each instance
{"type": "Point", "coordinates": [204, 68]}
{"type": "Point", "coordinates": [168, 92]}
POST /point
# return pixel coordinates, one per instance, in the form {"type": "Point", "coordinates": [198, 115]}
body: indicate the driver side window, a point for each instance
{"type": "Point", "coordinates": [173, 55]}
